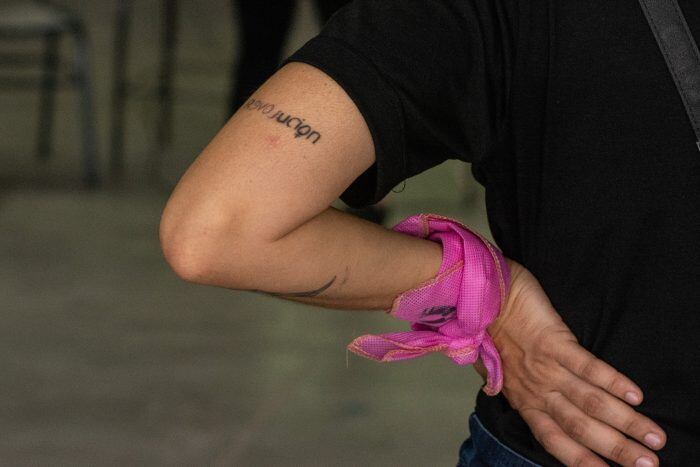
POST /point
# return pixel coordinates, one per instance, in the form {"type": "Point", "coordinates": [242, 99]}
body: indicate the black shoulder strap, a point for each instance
{"type": "Point", "coordinates": [680, 52]}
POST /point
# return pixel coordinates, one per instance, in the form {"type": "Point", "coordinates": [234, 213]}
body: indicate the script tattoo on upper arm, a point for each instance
{"type": "Point", "coordinates": [301, 129]}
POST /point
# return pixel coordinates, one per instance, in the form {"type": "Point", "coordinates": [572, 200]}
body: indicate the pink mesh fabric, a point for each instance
{"type": "Point", "coordinates": [450, 312]}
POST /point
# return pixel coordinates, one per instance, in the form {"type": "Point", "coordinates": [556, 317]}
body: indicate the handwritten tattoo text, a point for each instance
{"type": "Point", "coordinates": [301, 129]}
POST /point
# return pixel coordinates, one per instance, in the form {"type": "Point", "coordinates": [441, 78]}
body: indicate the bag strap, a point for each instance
{"type": "Point", "coordinates": [680, 52]}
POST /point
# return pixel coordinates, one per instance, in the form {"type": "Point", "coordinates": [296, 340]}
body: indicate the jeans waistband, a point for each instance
{"type": "Point", "coordinates": [483, 449]}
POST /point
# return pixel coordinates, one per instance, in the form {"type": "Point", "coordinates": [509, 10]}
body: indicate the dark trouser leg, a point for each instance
{"type": "Point", "coordinates": [326, 8]}
{"type": "Point", "coordinates": [264, 26]}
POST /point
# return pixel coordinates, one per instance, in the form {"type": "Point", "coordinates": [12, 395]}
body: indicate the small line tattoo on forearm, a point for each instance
{"type": "Point", "coordinates": [310, 293]}
{"type": "Point", "coordinates": [301, 129]}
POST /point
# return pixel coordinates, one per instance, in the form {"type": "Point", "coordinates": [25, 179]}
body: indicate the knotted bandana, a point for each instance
{"type": "Point", "coordinates": [449, 313]}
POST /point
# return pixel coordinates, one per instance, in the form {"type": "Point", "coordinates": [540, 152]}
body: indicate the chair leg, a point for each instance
{"type": "Point", "coordinates": [165, 89]}
{"type": "Point", "coordinates": [84, 83]}
{"type": "Point", "coordinates": [48, 95]}
{"type": "Point", "coordinates": [119, 87]}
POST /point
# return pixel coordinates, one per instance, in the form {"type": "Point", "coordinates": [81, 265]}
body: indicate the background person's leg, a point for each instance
{"type": "Point", "coordinates": [264, 26]}
{"type": "Point", "coordinates": [326, 8]}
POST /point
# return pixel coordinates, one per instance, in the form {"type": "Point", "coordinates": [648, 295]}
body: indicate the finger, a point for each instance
{"type": "Point", "coordinates": [596, 435]}
{"type": "Point", "coordinates": [556, 442]}
{"type": "Point", "coordinates": [600, 405]}
{"type": "Point", "coordinates": [588, 367]}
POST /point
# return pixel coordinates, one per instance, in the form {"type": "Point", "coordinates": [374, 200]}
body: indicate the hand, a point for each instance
{"type": "Point", "coordinates": [573, 402]}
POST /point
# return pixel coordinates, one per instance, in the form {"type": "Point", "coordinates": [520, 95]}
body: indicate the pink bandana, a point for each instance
{"type": "Point", "coordinates": [450, 312]}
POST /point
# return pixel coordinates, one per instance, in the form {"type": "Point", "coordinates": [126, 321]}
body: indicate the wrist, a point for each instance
{"type": "Point", "coordinates": [451, 312]}
{"type": "Point", "coordinates": [496, 325]}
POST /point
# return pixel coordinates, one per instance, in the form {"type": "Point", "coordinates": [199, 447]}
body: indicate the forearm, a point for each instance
{"type": "Point", "coordinates": [252, 212]}
{"type": "Point", "coordinates": [335, 260]}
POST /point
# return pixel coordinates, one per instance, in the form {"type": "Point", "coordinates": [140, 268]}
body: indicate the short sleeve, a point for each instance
{"type": "Point", "coordinates": [430, 78]}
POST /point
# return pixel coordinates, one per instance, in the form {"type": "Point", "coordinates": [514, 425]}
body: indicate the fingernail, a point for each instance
{"type": "Point", "coordinates": [632, 397]}
{"type": "Point", "coordinates": [644, 461]}
{"type": "Point", "coordinates": [653, 440]}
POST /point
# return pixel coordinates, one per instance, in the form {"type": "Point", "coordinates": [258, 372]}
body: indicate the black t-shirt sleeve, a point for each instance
{"type": "Point", "coordinates": [429, 77]}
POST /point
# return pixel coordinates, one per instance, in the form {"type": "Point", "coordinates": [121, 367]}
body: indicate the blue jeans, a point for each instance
{"type": "Point", "coordinates": [482, 449]}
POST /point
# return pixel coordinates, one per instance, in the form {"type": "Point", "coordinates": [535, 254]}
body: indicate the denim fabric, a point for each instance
{"type": "Point", "coordinates": [482, 449]}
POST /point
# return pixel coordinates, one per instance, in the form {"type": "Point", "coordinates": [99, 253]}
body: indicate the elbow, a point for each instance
{"type": "Point", "coordinates": [192, 246]}
{"type": "Point", "coordinates": [184, 251]}
{"type": "Point", "coordinates": [186, 262]}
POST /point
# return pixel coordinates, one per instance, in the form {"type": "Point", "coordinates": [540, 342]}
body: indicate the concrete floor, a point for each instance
{"type": "Point", "coordinates": [108, 359]}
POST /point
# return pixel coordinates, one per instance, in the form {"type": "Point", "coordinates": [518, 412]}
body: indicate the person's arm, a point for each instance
{"type": "Point", "coordinates": [253, 212]}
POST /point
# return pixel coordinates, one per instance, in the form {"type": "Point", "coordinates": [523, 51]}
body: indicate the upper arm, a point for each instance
{"type": "Point", "coordinates": [431, 78]}
{"type": "Point", "coordinates": [389, 89]}
{"type": "Point", "coordinates": [282, 158]}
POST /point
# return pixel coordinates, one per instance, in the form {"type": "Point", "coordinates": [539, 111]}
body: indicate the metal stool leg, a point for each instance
{"type": "Point", "coordinates": [165, 91]}
{"type": "Point", "coordinates": [48, 95]}
{"type": "Point", "coordinates": [119, 88]}
{"type": "Point", "coordinates": [82, 75]}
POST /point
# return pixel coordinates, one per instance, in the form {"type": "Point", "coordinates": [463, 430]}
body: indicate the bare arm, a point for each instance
{"type": "Point", "coordinates": [253, 211]}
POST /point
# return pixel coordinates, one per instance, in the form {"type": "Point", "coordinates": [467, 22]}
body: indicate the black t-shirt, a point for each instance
{"type": "Point", "coordinates": [573, 124]}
